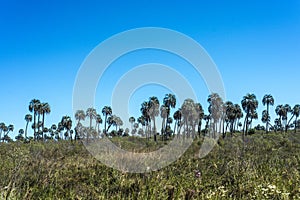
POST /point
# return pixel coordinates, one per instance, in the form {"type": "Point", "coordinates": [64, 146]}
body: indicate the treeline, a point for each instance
{"type": "Point", "coordinates": [189, 120]}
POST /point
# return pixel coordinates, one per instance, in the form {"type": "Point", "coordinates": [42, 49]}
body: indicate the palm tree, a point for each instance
{"type": "Point", "coordinates": [28, 118]}
{"type": "Point", "coordinates": [141, 120]}
{"type": "Point", "coordinates": [265, 118]}
{"type": "Point", "coordinates": [52, 130]}
{"type": "Point", "coordinates": [249, 105]}
{"type": "Point", "coordinates": [282, 111]}
{"type": "Point", "coordinates": [288, 109]}
{"type": "Point", "coordinates": [45, 108]}
{"type": "Point", "coordinates": [2, 129]}
{"type": "Point", "coordinates": [177, 117]}
{"type": "Point", "coordinates": [92, 114]}
{"type": "Point", "coordinates": [145, 107]}
{"type": "Point", "coordinates": [230, 116]}
{"type": "Point", "coordinates": [215, 109]}
{"type": "Point", "coordinates": [163, 115]}
{"type": "Point", "coordinates": [269, 101]}
{"type": "Point", "coordinates": [98, 122]}
{"type": "Point", "coordinates": [153, 110]}
{"type": "Point", "coordinates": [118, 123]}
{"type": "Point", "coordinates": [79, 115]}
{"type": "Point", "coordinates": [9, 128]}
{"type": "Point", "coordinates": [200, 112]}
{"type": "Point", "coordinates": [106, 111]}
{"type": "Point", "coordinates": [66, 123]}
{"type": "Point", "coordinates": [170, 102]}
{"type": "Point", "coordinates": [132, 121]}
{"type": "Point", "coordinates": [111, 121]}
{"type": "Point", "coordinates": [20, 136]}
{"type": "Point", "coordinates": [295, 113]}
{"type": "Point", "coordinates": [238, 114]}
{"type": "Point", "coordinates": [34, 107]}
{"type": "Point", "coordinates": [188, 111]}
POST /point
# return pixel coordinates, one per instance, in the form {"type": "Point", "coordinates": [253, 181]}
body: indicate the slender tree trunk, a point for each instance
{"type": "Point", "coordinates": [105, 124]}
{"type": "Point", "coordinates": [154, 126]}
{"type": "Point", "coordinates": [39, 116]}
{"type": "Point", "coordinates": [25, 129]}
{"type": "Point", "coordinates": [34, 123]}
{"type": "Point", "coordinates": [288, 124]}
{"type": "Point", "coordinates": [43, 120]}
{"type": "Point", "coordinates": [295, 128]}
{"type": "Point", "coordinates": [91, 122]}
{"type": "Point", "coordinates": [175, 127]}
{"type": "Point", "coordinates": [199, 127]}
{"type": "Point", "coordinates": [267, 127]}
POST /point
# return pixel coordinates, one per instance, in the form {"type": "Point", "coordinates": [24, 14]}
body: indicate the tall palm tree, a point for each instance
{"type": "Point", "coordinates": [230, 116]}
{"type": "Point", "coordinates": [28, 118]}
{"type": "Point", "coordinates": [2, 129]}
{"type": "Point", "coordinates": [34, 107]}
{"type": "Point", "coordinates": [66, 123]}
{"type": "Point", "coordinates": [106, 111]}
{"type": "Point", "coordinates": [282, 111]}
{"type": "Point", "coordinates": [118, 123]}
{"type": "Point", "coordinates": [163, 115]}
{"type": "Point", "coordinates": [91, 114]}
{"type": "Point", "coordinates": [145, 107]}
{"type": "Point", "coordinates": [269, 101]}
{"type": "Point", "coordinates": [80, 115]}
{"type": "Point", "coordinates": [153, 111]}
{"type": "Point", "coordinates": [295, 113]}
{"type": "Point", "coordinates": [170, 102]}
{"type": "Point", "coordinates": [249, 105]}
{"type": "Point", "coordinates": [200, 112]}
{"type": "Point", "coordinates": [98, 122]}
{"type": "Point", "coordinates": [131, 121]}
{"type": "Point", "coordinates": [111, 121]}
{"type": "Point", "coordinates": [238, 114]}
{"type": "Point", "coordinates": [177, 117]}
{"type": "Point", "coordinates": [265, 118]}
{"type": "Point", "coordinates": [188, 111]}
{"type": "Point", "coordinates": [215, 109]}
{"type": "Point", "coordinates": [141, 120]}
{"type": "Point", "coordinates": [45, 108]}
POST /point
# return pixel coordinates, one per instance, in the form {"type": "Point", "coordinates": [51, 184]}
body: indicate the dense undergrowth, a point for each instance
{"type": "Point", "coordinates": [265, 167]}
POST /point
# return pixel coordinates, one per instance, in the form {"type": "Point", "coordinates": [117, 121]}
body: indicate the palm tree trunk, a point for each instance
{"type": "Point", "coordinates": [25, 129]}
{"type": "Point", "coordinates": [199, 127]}
{"type": "Point", "coordinates": [295, 129]}
{"type": "Point", "coordinates": [288, 124]}
{"type": "Point", "coordinates": [91, 122]}
{"type": "Point", "coordinates": [175, 127]}
{"type": "Point", "coordinates": [154, 126]}
{"type": "Point", "coordinates": [105, 124]}
{"type": "Point", "coordinates": [267, 127]}
{"type": "Point", "coordinates": [34, 123]}
{"type": "Point", "coordinates": [43, 120]}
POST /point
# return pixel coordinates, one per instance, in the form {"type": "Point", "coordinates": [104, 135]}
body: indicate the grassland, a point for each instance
{"type": "Point", "coordinates": [265, 167]}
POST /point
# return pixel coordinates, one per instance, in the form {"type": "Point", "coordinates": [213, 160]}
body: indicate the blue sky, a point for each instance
{"type": "Point", "coordinates": [255, 45]}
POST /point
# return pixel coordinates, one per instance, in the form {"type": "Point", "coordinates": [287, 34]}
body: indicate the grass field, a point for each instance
{"type": "Point", "coordinates": [266, 167]}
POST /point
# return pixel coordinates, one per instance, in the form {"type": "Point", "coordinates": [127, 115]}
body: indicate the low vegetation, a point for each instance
{"type": "Point", "coordinates": [264, 166]}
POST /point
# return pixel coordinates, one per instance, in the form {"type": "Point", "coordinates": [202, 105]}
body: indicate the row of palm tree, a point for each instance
{"type": "Point", "coordinates": [222, 117]}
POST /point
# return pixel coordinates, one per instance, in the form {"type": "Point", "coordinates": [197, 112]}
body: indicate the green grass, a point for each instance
{"type": "Point", "coordinates": [267, 168]}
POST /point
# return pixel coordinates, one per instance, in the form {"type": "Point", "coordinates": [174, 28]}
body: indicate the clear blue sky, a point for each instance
{"type": "Point", "coordinates": [255, 44]}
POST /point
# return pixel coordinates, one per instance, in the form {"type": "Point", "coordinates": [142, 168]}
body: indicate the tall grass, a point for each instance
{"type": "Point", "coordinates": [266, 167]}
